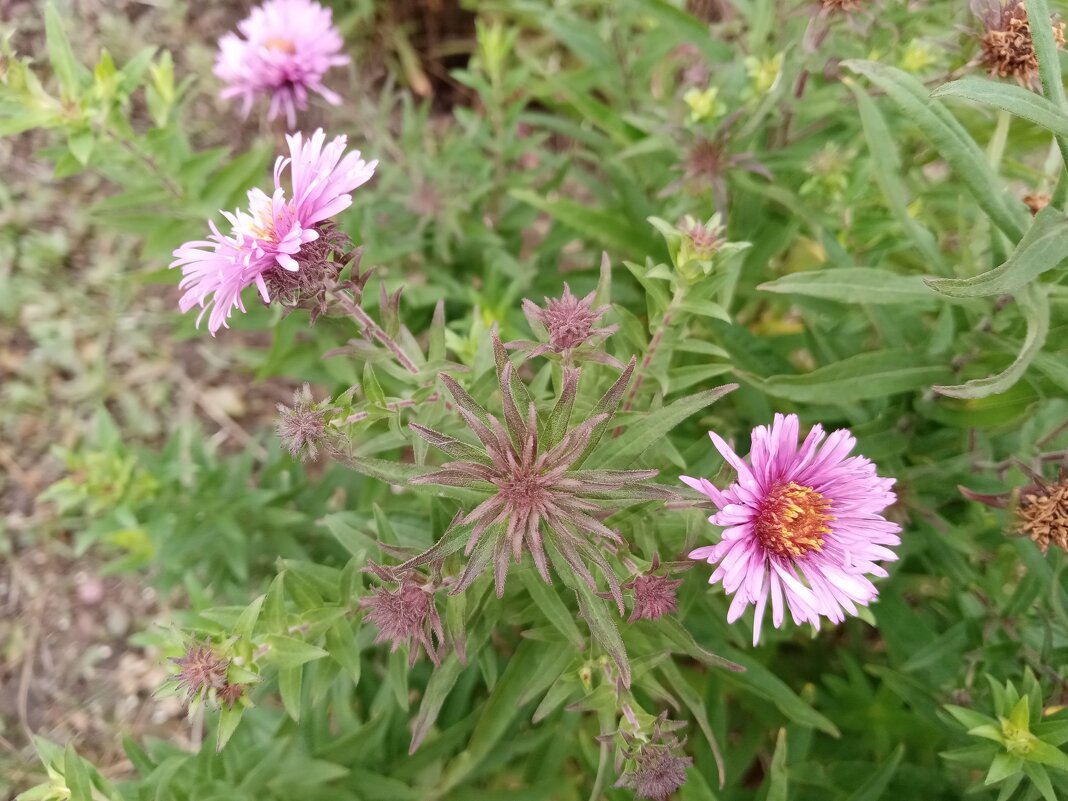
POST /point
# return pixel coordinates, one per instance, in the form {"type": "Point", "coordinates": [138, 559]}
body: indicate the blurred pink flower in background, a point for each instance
{"type": "Point", "coordinates": [284, 49]}
{"type": "Point", "coordinates": [271, 233]}
{"type": "Point", "coordinates": [804, 525]}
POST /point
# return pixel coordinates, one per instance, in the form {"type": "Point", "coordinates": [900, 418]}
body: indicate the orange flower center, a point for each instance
{"type": "Point", "coordinates": [281, 45]}
{"type": "Point", "coordinates": [793, 520]}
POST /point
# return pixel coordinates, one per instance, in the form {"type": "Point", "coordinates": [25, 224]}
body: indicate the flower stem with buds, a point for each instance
{"type": "Point", "coordinates": [351, 308]}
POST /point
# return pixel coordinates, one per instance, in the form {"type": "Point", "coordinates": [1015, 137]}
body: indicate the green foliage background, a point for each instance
{"type": "Point", "coordinates": [895, 283]}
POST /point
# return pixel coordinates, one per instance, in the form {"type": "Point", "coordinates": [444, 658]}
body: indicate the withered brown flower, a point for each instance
{"type": "Point", "coordinates": [1036, 201]}
{"type": "Point", "coordinates": [1042, 513]}
{"type": "Point", "coordinates": [1007, 48]}
{"type": "Point", "coordinates": [540, 499]}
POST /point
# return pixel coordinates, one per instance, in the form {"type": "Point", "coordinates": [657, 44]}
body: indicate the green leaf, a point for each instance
{"type": "Point", "coordinates": [1021, 714]}
{"type": "Point", "coordinates": [15, 122]}
{"type": "Point", "coordinates": [951, 140]}
{"type": "Point", "coordinates": [760, 681]}
{"type": "Point", "coordinates": [229, 185]}
{"type": "Point", "coordinates": [247, 622]}
{"type": "Point", "coordinates": [1047, 53]}
{"type": "Point", "coordinates": [1034, 305]}
{"type": "Point", "coordinates": [685, 26]}
{"type": "Point", "coordinates": [1047, 754]}
{"type": "Point", "coordinates": [1003, 766]}
{"type": "Point", "coordinates": [1042, 248]}
{"type": "Point", "coordinates": [862, 377]}
{"type": "Point", "coordinates": [372, 390]}
{"type": "Point", "coordinates": [681, 641]}
{"type": "Point", "coordinates": [603, 628]}
{"type": "Point", "coordinates": [874, 788]}
{"type": "Point", "coordinates": [853, 285]}
{"type": "Point", "coordinates": [289, 686]}
{"type": "Point", "coordinates": [229, 718]}
{"type": "Point", "coordinates": [886, 163]}
{"type": "Point", "coordinates": [777, 784]}
{"type": "Point", "coordinates": [1008, 97]}
{"type": "Point", "coordinates": [554, 609]}
{"type": "Point", "coordinates": [344, 649]}
{"type": "Point", "coordinates": [606, 228]}
{"type": "Point", "coordinates": [621, 451]}
{"type": "Point", "coordinates": [692, 701]}
{"type": "Point", "coordinates": [77, 776]}
{"type": "Point", "coordinates": [495, 716]}
{"type": "Point", "coordinates": [288, 652]}
{"type": "Point", "coordinates": [969, 718]}
{"type": "Point", "coordinates": [437, 690]}
{"type": "Point", "coordinates": [60, 54]}
{"type": "Point", "coordinates": [1040, 778]}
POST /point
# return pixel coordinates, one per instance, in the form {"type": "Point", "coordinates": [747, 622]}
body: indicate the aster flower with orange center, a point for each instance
{"type": "Point", "coordinates": [540, 499]}
{"type": "Point", "coordinates": [803, 526]}
{"type": "Point", "coordinates": [282, 50]}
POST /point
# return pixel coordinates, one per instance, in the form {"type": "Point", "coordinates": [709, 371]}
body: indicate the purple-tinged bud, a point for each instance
{"type": "Point", "coordinates": [406, 616]}
{"type": "Point", "coordinates": [202, 670]}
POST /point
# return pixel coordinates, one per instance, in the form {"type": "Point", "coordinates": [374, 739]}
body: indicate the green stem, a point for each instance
{"type": "Point", "coordinates": [996, 149]}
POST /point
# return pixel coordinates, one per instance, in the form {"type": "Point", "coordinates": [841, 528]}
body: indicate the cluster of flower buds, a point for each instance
{"type": "Point", "coordinates": [204, 676]}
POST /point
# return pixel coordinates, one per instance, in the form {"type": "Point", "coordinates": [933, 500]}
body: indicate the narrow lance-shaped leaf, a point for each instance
{"type": "Point", "coordinates": [874, 788]}
{"type": "Point", "coordinates": [852, 285]}
{"type": "Point", "coordinates": [1034, 304]}
{"type": "Point", "coordinates": [554, 609]}
{"type": "Point", "coordinates": [607, 405]}
{"type": "Point", "coordinates": [1008, 97]}
{"type": "Point", "coordinates": [692, 701]}
{"type": "Point", "coordinates": [60, 53]}
{"type": "Point", "coordinates": [886, 163]}
{"type": "Point", "coordinates": [777, 779]}
{"type": "Point", "coordinates": [595, 612]}
{"type": "Point", "coordinates": [861, 377]}
{"type": "Point", "coordinates": [625, 449]}
{"type": "Point", "coordinates": [1043, 247]}
{"type": "Point", "coordinates": [1049, 64]}
{"type": "Point", "coordinates": [437, 690]}
{"type": "Point", "coordinates": [952, 142]}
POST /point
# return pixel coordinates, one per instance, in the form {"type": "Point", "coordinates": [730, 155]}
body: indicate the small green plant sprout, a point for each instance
{"type": "Point", "coordinates": [1024, 741]}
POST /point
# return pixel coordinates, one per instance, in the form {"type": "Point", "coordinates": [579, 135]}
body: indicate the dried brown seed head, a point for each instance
{"type": "Point", "coordinates": [1007, 48]}
{"type": "Point", "coordinates": [1042, 514]}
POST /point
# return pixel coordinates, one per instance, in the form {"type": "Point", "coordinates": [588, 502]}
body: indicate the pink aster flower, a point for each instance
{"type": "Point", "coordinates": [271, 234]}
{"type": "Point", "coordinates": [284, 49]}
{"type": "Point", "coordinates": [801, 525]}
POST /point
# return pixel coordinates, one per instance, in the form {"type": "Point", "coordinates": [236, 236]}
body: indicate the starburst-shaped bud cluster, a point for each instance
{"type": "Point", "coordinates": [539, 498]}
